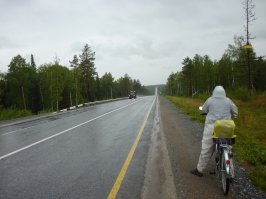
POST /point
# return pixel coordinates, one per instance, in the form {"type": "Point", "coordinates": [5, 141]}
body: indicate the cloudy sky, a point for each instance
{"type": "Point", "coordinates": [147, 39]}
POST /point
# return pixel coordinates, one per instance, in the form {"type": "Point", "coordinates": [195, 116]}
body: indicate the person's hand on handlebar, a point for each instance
{"type": "Point", "coordinates": [202, 113]}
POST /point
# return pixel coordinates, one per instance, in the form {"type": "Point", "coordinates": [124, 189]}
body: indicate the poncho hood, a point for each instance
{"type": "Point", "coordinates": [218, 92]}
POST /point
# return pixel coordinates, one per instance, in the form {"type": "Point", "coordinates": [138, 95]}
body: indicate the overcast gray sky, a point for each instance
{"type": "Point", "coordinates": [147, 39]}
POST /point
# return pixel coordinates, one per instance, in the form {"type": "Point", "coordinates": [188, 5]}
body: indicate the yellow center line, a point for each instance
{"type": "Point", "coordinates": [123, 171]}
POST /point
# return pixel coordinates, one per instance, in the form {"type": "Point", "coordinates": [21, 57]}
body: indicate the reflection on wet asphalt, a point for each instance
{"type": "Point", "coordinates": [82, 162]}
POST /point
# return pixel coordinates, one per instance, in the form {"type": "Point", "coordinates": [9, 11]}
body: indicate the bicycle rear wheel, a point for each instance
{"type": "Point", "coordinates": [225, 179]}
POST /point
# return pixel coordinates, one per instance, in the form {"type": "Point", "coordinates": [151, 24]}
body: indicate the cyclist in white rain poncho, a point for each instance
{"type": "Point", "coordinates": [217, 107]}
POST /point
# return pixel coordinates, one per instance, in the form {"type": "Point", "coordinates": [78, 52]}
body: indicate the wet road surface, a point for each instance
{"type": "Point", "coordinates": [78, 154]}
{"type": "Point", "coordinates": [81, 154]}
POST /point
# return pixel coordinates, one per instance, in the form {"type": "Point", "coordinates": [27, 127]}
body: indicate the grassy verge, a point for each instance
{"type": "Point", "coordinates": [250, 147]}
{"type": "Point", "coordinates": [7, 114]}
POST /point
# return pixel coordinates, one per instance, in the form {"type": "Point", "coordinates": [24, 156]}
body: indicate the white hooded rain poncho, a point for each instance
{"type": "Point", "coordinates": [217, 107]}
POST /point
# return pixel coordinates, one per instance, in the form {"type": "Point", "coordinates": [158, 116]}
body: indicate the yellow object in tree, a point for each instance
{"type": "Point", "coordinates": [224, 129]}
{"type": "Point", "coordinates": [247, 46]}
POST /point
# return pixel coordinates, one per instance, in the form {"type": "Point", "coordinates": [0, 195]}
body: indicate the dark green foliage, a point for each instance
{"type": "Point", "coordinates": [259, 74]}
{"type": "Point", "coordinates": [11, 113]}
{"type": "Point", "coordinates": [20, 83]}
{"type": "Point", "coordinates": [106, 82]}
{"type": "Point", "coordinates": [3, 91]}
{"type": "Point", "coordinates": [53, 86]}
{"type": "Point", "coordinates": [201, 74]}
{"type": "Point", "coordinates": [87, 73]}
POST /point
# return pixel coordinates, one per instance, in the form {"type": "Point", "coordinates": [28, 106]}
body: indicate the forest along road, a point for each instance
{"type": "Point", "coordinates": [78, 154]}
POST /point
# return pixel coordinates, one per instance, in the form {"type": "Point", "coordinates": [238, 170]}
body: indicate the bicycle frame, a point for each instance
{"type": "Point", "coordinates": [226, 149]}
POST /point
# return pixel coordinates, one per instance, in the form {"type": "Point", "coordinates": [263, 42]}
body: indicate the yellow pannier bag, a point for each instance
{"type": "Point", "coordinates": [224, 129]}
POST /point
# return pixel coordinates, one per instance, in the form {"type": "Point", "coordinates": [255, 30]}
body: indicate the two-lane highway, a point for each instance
{"type": "Point", "coordinates": [79, 154]}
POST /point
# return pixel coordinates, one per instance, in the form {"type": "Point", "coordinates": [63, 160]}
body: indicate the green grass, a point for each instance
{"type": "Point", "coordinates": [250, 147]}
{"type": "Point", "coordinates": [7, 114]}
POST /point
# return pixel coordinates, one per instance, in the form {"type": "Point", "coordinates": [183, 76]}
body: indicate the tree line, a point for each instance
{"type": "Point", "coordinates": [200, 74]}
{"type": "Point", "coordinates": [51, 87]}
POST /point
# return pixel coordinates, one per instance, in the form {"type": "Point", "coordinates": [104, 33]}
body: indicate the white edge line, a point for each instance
{"type": "Point", "coordinates": [62, 132]}
{"type": "Point", "coordinates": [10, 132]}
{"type": "Point", "coordinates": [16, 131]}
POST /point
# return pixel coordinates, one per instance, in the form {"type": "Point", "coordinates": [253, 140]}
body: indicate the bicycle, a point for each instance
{"type": "Point", "coordinates": [224, 138]}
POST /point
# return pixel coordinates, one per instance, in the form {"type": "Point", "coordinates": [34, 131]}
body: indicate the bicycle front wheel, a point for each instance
{"type": "Point", "coordinates": [225, 179]}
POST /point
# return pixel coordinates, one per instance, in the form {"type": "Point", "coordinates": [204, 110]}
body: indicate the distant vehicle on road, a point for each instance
{"type": "Point", "coordinates": [132, 95]}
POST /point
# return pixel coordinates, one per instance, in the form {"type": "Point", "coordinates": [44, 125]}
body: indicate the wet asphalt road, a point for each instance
{"type": "Point", "coordinates": [78, 154]}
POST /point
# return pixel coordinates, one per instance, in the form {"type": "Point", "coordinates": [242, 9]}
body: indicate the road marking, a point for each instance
{"type": "Point", "coordinates": [62, 132]}
{"type": "Point", "coordinates": [118, 182]}
{"type": "Point", "coordinates": [16, 130]}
